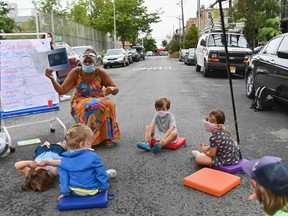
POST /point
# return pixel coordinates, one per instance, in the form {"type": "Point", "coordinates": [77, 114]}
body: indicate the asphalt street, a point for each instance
{"type": "Point", "coordinates": [147, 183]}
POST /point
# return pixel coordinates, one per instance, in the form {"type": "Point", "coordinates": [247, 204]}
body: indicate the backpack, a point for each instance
{"type": "Point", "coordinates": [263, 100]}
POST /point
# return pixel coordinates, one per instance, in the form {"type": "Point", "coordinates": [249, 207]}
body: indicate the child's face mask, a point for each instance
{"type": "Point", "coordinates": [161, 114]}
{"type": "Point", "coordinates": [210, 127]}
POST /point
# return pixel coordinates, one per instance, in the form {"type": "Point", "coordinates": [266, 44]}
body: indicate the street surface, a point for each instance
{"type": "Point", "coordinates": [147, 183]}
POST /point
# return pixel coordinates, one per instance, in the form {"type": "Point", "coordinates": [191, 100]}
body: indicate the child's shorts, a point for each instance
{"type": "Point", "coordinates": [55, 148]}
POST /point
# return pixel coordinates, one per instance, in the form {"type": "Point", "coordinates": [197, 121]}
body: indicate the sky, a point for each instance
{"type": "Point", "coordinates": [170, 17]}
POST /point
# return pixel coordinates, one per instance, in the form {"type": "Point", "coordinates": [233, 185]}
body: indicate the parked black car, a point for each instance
{"type": "Point", "coordinates": [270, 68]}
{"type": "Point", "coordinates": [182, 53]}
{"type": "Point", "coordinates": [140, 50]}
{"type": "Point", "coordinates": [135, 55]}
{"type": "Point", "coordinates": [190, 56]}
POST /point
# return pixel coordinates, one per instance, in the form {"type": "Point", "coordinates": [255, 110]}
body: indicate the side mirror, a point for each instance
{"type": "Point", "coordinates": [203, 42]}
{"type": "Point", "coordinates": [282, 54]}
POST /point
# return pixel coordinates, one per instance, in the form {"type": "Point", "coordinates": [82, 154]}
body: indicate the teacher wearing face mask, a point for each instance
{"type": "Point", "coordinates": [90, 104]}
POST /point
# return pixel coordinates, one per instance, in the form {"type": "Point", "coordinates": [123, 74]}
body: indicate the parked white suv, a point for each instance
{"type": "Point", "coordinates": [211, 53]}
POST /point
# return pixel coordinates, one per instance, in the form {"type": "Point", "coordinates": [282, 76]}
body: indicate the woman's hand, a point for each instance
{"type": "Point", "coordinates": [61, 196]}
{"type": "Point", "coordinates": [111, 90]}
{"type": "Point", "coordinates": [49, 74]}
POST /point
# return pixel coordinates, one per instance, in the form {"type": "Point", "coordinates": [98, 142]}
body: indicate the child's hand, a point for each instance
{"type": "Point", "coordinates": [147, 140]}
{"type": "Point", "coordinates": [203, 147]}
{"type": "Point", "coordinates": [44, 163]}
{"type": "Point", "coordinates": [33, 164]}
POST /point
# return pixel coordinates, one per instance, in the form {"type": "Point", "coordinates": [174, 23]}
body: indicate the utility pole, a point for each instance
{"type": "Point", "coordinates": [198, 17]}
{"type": "Point", "coordinates": [114, 10]}
{"type": "Point", "coordinates": [182, 17]}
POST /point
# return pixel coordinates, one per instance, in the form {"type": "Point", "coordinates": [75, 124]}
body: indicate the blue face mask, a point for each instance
{"type": "Point", "coordinates": [88, 69]}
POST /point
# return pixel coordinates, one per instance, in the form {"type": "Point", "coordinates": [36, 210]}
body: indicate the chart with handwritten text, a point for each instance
{"type": "Point", "coordinates": [22, 86]}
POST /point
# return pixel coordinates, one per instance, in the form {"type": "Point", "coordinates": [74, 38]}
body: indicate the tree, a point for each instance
{"type": "Point", "coordinates": [51, 7]}
{"type": "Point", "coordinates": [256, 14]}
{"type": "Point", "coordinates": [191, 38]}
{"type": "Point", "coordinates": [7, 25]}
{"type": "Point", "coordinates": [132, 18]}
{"type": "Point", "coordinates": [78, 12]}
{"type": "Point", "coordinates": [149, 44]}
{"type": "Point", "coordinates": [164, 43]}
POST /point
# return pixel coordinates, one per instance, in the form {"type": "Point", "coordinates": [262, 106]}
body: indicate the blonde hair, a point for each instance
{"type": "Point", "coordinates": [77, 136]}
{"type": "Point", "coordinates": [272, 202]}
{"type": "Point", "coordinates": [38, 180]}
{"type": "Point", "coordinates": [162, 101]}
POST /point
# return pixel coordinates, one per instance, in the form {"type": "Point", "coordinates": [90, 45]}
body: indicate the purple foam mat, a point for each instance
{"type": "Point", "coordinates": [236, 168]}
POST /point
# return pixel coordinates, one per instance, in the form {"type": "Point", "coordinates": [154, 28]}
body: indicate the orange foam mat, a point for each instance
{"type": "Point", "coordinates": [212, 181]}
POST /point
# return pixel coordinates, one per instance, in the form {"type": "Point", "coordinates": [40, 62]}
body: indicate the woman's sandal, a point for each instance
{"type": "Point", "coordinates": [109, 144]}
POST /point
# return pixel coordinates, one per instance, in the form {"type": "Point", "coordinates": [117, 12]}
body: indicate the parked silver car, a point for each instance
{"type": "Point", "coordinates": [114, 57]}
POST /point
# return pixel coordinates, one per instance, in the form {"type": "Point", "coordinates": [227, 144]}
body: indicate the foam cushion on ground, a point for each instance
{"type": "Point", "coordinates": [212, 181]}
{"type": "Point", "coordinates": [236, 168]}
{"type": "Point", "coordinates": [99, 200]}
{"type": "Point", "coordinates": [180, 142]}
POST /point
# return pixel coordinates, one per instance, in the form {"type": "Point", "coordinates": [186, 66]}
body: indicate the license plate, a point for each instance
{"type": "Point", "coordinates": [111, 61]}
{"type": "Point", "coordinates": [232, 69]}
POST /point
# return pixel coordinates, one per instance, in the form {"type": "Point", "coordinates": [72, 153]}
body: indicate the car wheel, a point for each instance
{"type": "Point", "coordinates": [198, 68]}
{"type": "Point", "coordinates": [105, 66]}
{"type": "Point", "coordinates": [250, 92]}
{"type": "Point", "coordinates": [206, 72]}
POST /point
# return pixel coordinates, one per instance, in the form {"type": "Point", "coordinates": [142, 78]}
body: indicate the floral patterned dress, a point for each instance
{"type": "Point", "coordinates": [90, 107]}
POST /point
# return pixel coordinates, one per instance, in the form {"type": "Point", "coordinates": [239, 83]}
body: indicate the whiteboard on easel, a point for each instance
{"type": "Point", "coordinates": [22, 86]}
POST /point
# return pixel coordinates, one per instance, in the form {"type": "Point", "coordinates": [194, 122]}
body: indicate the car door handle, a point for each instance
{"type": "Point", "coordinates": [272, 61]}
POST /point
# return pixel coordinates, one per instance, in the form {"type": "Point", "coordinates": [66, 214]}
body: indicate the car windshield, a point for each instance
{"type": "Point", "coordinates": [114, 52]}
{"type": "Point", "coordinates": [191, 51]}
{"type": "Point", "coordinates": [233, 40]}
{"type": "Point", "coordinates": [133, 50]}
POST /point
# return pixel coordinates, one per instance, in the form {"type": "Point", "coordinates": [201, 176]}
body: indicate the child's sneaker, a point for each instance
{"type": "Point", "coordinates": [156, 148]}
{"type": "Point", "coordinates": [144, 146]}
{"type": "Point", "coordinates": [111, 173]}
{"type": "Point", "coordinates": [195, 153]}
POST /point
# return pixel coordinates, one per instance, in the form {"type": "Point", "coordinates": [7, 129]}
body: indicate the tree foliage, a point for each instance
{"type": "Point", "coordinates": [50, 6]}
{"type": "Point", "coordinates": [257, 13]}
{"type": "Point", "coordinates": [7, 25]}
{"type": "Point", "coordinates": [164, 43]}
{"type": "Point", "coordinates": [191, 37]}
{"type": "Point", "coordinates": [149, 44]}
{"type": "Point", "coordinates": [132, 18]}
{"type": "Point", "coordinates": [79, 12]}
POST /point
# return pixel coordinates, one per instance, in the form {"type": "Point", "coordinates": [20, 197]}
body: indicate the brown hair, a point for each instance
{"type": "Point", "coordinates": [77, 136]}
{"type": "Point", "coordinates": [220, 119]}
{"type": "Point", "coordinates": [38, 180]}
{"type": "Point", "coordinates": [162, 101]}
{"type": "Point", "coordinates": [272, 202]}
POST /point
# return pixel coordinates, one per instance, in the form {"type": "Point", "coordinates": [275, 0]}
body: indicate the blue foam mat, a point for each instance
{"type": "Point", "coordinates": [99, 200]}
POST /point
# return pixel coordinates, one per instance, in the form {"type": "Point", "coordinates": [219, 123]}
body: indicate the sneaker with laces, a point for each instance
{"type": "Point", "coordinates": [111, 173]}
{"type": "Point", "coordinates": [195, 153]}
{"type": "Point", "coordinates": [65, 97]}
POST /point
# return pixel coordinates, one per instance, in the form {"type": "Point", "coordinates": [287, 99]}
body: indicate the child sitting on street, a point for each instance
{"type": "Point", "coordinates": [162, 128]}
{"type": "Point", "coordinates": [271, 177]}
{"type": "Point", "coordinates": [81, 171]}
{"type": "Point", "coordinates": [223, 150]}
{"type": "Point", "coordinates": [41, 178]}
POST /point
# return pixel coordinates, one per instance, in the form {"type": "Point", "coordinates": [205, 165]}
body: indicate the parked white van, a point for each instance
{"type": "Point", "coordinates": [211, 53]}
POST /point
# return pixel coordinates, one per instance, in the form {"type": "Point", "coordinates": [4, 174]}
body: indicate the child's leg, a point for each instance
{"type": "Point", "coordinates": [204, 160]}
{"type": "Point", "coordinates": [171, 137]}
{"type": "Point", "coordinates": [148, 134]}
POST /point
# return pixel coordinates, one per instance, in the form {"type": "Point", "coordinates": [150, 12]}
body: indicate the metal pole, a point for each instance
{"type": "Point", "coordinates": [199, 17]}
{"type": "Point", "coordinates": [183, 27]}
{"type": "Point", "coordinates": [228, 68]}
{"type": "Point", "coordinates": [114, 10]}
{"type": "Point", "coordinates": [37, 23]}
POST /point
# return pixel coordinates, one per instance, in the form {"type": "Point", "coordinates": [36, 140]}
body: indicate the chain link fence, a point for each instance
{"type": "Point", "coordinates": [72, 33]}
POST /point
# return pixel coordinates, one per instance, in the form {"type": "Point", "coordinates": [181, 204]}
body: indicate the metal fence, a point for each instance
{"type": "Point", "coordinates": [72, 33]}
